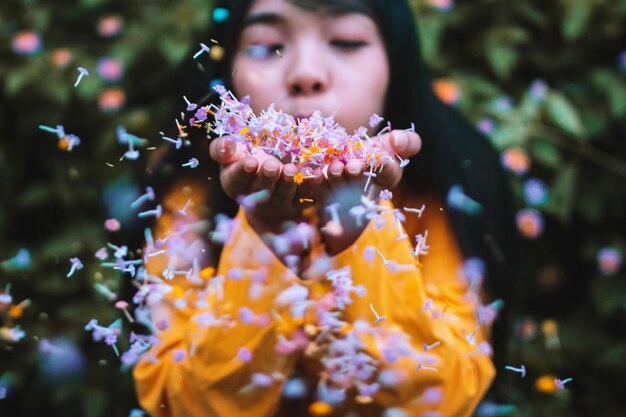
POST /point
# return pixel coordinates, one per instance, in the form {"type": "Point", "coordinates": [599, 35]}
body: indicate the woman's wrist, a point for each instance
{"type": "Point", "coordinates": [339, 231]}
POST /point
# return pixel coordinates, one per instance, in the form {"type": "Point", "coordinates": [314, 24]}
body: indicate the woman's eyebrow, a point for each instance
{"type": "Point", "coordinates": [264, 17]}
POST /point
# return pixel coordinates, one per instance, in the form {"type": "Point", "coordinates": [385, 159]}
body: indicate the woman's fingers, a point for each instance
{"type": "Point", "coordinates": [335, 173]}
{"type": "Point", "coordinates": [402, 142]}
{"type": "Point", "coordinates": [285, 187]}
{"type": "Point", "coordinates": [317, 187]}
{"type": "Point", "coordinates": [224, 150]}
{"type": "Point", "coordinates": [354, 171]}
{"type": "Point", "coordinates": [237, 177]}
{"type": "Point", "coordinates": [389, 176]}
{"type": "Point", "coordinates": [267, 176]}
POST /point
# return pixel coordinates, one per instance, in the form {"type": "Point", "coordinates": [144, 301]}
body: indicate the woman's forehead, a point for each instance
{"type": "Point", "coordinates": [326, 7]}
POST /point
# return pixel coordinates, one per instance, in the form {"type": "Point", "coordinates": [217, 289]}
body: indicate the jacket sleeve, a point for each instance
{"type": "Point", "coordinates": [424, 303]}
{"type": "Point", "coordinates": [220, 337]}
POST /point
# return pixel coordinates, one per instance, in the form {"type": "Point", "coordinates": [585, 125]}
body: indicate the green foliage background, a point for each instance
{"type": "Point", "coordinates": [54, 203]}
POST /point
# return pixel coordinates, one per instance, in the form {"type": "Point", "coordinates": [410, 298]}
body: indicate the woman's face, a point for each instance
{"type": "Point", "coordinates": [304, 61]}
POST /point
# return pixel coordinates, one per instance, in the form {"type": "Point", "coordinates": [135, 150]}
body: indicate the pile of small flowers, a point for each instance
{"type": "Point", "coordinates": [309, 143]}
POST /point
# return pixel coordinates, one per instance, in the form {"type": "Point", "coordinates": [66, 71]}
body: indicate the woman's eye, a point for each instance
{"type": "Point", "coordinates": [347, 44]}
{"type": "Point", "coordinates": [264, 50]}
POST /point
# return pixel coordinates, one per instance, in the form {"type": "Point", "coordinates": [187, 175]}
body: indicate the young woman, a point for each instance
{"type": "Point", "coordinates": [411, 341]}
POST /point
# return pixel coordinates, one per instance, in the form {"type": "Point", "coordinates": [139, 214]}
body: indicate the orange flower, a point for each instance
{"type": "Point", "coordinates": [63, 143]}
{"type": "Point", "coordinates": [111, 99]}
{"type": "Point", "coordinates": [15, 312]}
{"type": "Point", "coordinates": [549, 327]}
{"type": "Point", "coordinates": [545, 384]}
{"type": "Point", "coordinates": [61, 57]}
{"type": "Point", "coordinates": [110, 25]}
{"type": "Point", "coordinates": [320, 408]}
{"type": "Point", "coordinates": [529, 223]}
{"type": "Point", "coordinates": [207, 273]}
{"type": "Point", "coordinates": [177, 291]}
{"type": "Point", "coordinates": [516, 160]}
{"type": "Point", "coordinates": [216, 53]}
{"type": "Point", "coordinates": [447, 91]}
{"type": "Point", "coordinates": [298, 178]}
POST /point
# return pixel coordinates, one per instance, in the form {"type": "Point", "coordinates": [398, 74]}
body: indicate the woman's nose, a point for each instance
{"type": "Point", "coordinates": [307, 71]}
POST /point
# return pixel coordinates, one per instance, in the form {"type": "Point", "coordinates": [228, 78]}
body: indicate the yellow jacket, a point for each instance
{"type": "Point", "coordinates": [213, 380]}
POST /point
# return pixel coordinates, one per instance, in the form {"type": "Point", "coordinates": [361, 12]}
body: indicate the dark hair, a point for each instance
{"type": "Point", "coordinates": [453, 152]}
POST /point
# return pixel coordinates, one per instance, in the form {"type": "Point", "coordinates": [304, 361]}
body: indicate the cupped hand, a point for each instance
{"type": "Point", "coordinates": [346, 184]}
{"type": "Point", "coordinates": [242, 175]}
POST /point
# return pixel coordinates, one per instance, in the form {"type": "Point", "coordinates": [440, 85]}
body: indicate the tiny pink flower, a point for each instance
{"type": "Point", "coordinates": [375, 120]}
{"type": "Point", "coordinates": [443, 5]}
{"type": "Point", "coordinates": [179, 355]}
{"type": "Point", "coordinates": [244, 354]}
{"type": "Point", "coordinates": [109, 26]}
{"type": "Point", "coordinates": [609, 260]}
{"type": "Point", "coordinates": [61, 57]}
{"type": "Point", "coordinates": [112, 225]}
{"type": "Point", "coordinates": [111, 100]}
{"type": "Point", "coordinates": [529, 223]}
{"type": "Point", "coordinates": [110, 69]}
{"type": "Point", "coordinates": [516, 160]}
{"type": "Point", "coordinates": [26, 43]}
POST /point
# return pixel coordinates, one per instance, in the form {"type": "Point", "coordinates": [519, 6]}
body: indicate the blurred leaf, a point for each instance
{"type": "Point", "coordinates": [595, 121]}
{"type": "Point", "coordinates": [479, 85]}
{"type": "Point", "coordinates": [564, 114]}
{"type": "Point", "coordinates": [88, 88]}
{"type": "Point", "coordinates": [545, 153]}
{"type": "Point", "coordinates": [615, 89]}
{"type": "Point", "coordinates": [563, 193]}
{"type": "Point", "coordinates": [510, 134]}
{"type": "Point", "coordinates": [576, 16]}
{"type": "Point", "coordinates": [501, 46]}
{"type": "Point", "coordinates": [531, 13]}
{"type": "Point", "coordinates": [502, 58]}
{"type": "Point", "coordinates": [15, 81]}
{"type": "Point", "coordinates": [173, 49]}
{"type": "Point", "coordinates": [430, 34]}
{"type": "Point", "coordinates": [528, 108]}
{"type": "Point", "coordinates": [38, 18]}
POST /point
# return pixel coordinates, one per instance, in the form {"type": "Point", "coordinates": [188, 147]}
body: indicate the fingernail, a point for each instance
{"type": "Point", "coordinates": [270, 169]}
{"type": "Point", "coordinates": [336, 171]}
{"type": "Point", "coordinates": [401, 141]}
{"type": "Point", "coordinates": [289, 172]}
{"type": "Point", "coordinates": [353, 168]}
{"type": "Point", "coordinates": [249, 167]}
